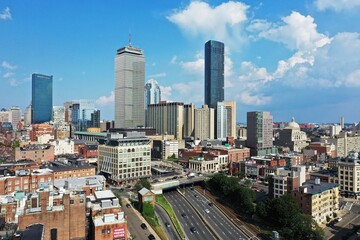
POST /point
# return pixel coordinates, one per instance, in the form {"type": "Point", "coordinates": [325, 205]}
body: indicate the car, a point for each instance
{"type": "Point", "coordinates": [207, 210]}
{"type": "Point", "coordinates": [333, 222]}
{"type": "Point", "coordinates": [176, 177]}
{"type": "Point", "coordinates": [167, 224]}
{"type": "Point", "coordinates": [183, 214]}
{"type": "Point", "coordinates": [121, 189]}
{"type": "Point", "coordinates": [143, 226]}
{"type": "Point", "coordinates": [210, 204]}
{"type": "Point", "coordinates": [191, 188]}
{"type": "Point", "coordinates": [128, 205]}
{"type": "Point", "coordinates": [339, 219]}
{"type": "Point", "coordinates": [358, 233]}
{"type": "Point", "coordinates": [155, 181]}
{"type": "Point", "coordinates": [195, 195]}
{"type": "Point", "coordinates": [193, 229]}
{"type": "Point", "coordinates": [151, 237]}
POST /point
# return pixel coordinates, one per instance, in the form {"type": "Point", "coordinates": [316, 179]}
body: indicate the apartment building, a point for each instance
{"type": "Point", "coordinates": [318, 199]}
{"type": "Point", "coordinates": [349, 174]}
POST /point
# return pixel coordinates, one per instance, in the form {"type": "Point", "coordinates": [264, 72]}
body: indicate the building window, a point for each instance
{"type": "Point", "coordinates": [103, 231]}
{"type": "Point", "coordinates": [71, 201]}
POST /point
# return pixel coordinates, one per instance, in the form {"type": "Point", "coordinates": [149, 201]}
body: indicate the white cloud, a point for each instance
{"type": "Point", "coordinates": [8, 65]}
{"type": "Point", "coordinates": [14, 82]}
{"type": "Point", "coordinates": [221, 22]}
{"type": "Point", "coordinates": [157, 75]}
{"type": "Point", "coordinates": [298, 32]}
{"type": "Point", "coordinates": [258, 25]}
{"type": "Point", "coordinates": [173, 60]}
{"type": "Point", "coordinates": [194, 67]}
{"type": "Point", "coordinates": [5, 14]}
{"type": "Point", "coordinates": [192, 91]}
{"type": "Point", "coordinates": [8, 74]}
{"type": "Point", "coordinates": [106, 100]}
{"type": "Point", "coordinates": [248, 99]}
{"type": "Point", "coordinates": [165, 92]}
{"type": "Point", "coordinates": [337, 5]}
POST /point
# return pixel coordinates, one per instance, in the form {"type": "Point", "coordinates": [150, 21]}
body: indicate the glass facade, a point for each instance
{"type": "Point", "coordinates": [41, 98]}
{"type": "Point", "coordinates": [152, 93]}
{"type": "Point", "coordinates": [214, 73]}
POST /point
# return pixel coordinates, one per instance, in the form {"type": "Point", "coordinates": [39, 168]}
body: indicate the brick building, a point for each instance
{"type": "Point", "coordinates": [62, 214]}
{"type": "Point", "coordinates": [318, 199]}
{"type": "Point", "coordinates": [26, 181]}
{"type": "Point", "coordinates": [40, 129]}
{"type": "Point", "coordinates": [37, 152]}
{"type": "Point", "coordinates": [107, 219]}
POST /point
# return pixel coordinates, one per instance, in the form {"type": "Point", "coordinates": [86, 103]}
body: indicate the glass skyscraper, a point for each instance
{"type": "Point", "coordinates": [152, 93]}
{"type": "Point", "coordinates": [214, 73]}
{"type": "Point", "coordinates": [41, 98]}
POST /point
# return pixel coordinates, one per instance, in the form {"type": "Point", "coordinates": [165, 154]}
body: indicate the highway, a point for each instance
{"type": "Point", "coordinates": [164, 218]}
{"type": "Point", "coordinates": [214, 217]}
{"type": "Point", "coordinates": [181, 206]}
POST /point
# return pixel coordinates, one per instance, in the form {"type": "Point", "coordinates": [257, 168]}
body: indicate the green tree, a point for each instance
{"type": "Point", "coordinates": [15, 143]}
{"type": "Point", "coordinates": [142, 183]}
{"type": "Point", "coordinates": [261, 210]}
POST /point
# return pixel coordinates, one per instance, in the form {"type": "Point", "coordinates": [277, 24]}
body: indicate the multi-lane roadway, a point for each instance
{"type": "Point", "coordinates": [194, 228]}
{"type": "Point", "coordinates": [223, 227]}
{"type": "Point", "coordinates": [166, 223]}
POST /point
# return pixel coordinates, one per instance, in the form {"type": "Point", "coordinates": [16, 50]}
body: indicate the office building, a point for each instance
{"type": "Point", "coordinates": [204, 123]}
{"type": "Point", "coordinates": [214, 73]}
{"type": "Point", "coordinates": [95, 119]}
{"type": "Point", "coordinates": [41, 98]}
{"type": "Point", "coordinates": [260, 133]}
{"type": "Point", "coordinates": [152, 93]}
{"type": "Point", "coordinates": [231, 118]}
{"type": "Point", "coordinates": [342, 122]}
{"type": "Point", "coordinates": [166, 118]}
{"type": "Point", "coordinates": [15, 116]}
{"type": "Point", "coordinates": [81, 112]}
{"type": "Point", "coordinates": [58, 115]}
{"type": "Point", "coordinates": [129, 87]}
{"type": "Point", "coordinates": [221, 121]}
{"type": "Point", "coordinates": [188, 130]}
{"type": "Point", "coordinates": [349, 174]}
{"type": "Point", "coordinates": [125, 157]}
{"type": "Point", "coordinates": [335, 130]}
{"type": "Point", "coordinates": [27, 116]}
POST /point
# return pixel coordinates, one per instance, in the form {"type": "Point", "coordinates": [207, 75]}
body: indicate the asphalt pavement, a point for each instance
{"type": "Point", "coordinates": [214, 217]}
{"type": "Point", "coordinates": [134, 223]}
{"type": "Point", "coordinates": [181, 206]}
{"type": "Point", "coordinates": [163, 218]}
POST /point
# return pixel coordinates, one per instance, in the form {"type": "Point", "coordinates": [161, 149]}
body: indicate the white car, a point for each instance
{"type": "Point", "coordinates": [207, 211]}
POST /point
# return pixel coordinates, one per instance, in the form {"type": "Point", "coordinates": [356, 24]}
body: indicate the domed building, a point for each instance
{"type": "Point", "coordinates": [292, 137]}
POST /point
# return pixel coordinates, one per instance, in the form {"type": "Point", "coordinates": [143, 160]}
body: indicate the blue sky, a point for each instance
{"type": "Point", "coordinates": [292, 58]}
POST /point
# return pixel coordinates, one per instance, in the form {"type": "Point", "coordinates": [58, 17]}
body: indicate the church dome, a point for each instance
{"type": "Point", "coordinates": [293, 125]}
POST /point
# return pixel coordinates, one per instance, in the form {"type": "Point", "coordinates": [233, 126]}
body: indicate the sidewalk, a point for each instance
{"type": "Point", "coordinates": [151, 230]}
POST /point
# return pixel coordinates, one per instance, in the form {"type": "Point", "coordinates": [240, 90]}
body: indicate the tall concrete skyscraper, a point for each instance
{"type": "Point", "coordinates": [204, 123]}
{"type": "Point", "coordinates": [41, 98]}
{"type": "Point", "coordinates": [167, 118]}
{"type": "Point", "coordinates": [188, 130]}
{"type": "Point", "coordinates": [152, 92]}
{"type": "Point", "coordinates": [231, 118]}
{"type": "Point", "coordinates": [129, 87]}
{"type": "Point", "coordinates": [260, 133]}
{"type": "Point", "coordinates": [214, 73]}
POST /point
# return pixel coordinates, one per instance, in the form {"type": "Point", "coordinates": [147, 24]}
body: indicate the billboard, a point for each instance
{"type": "Point", "coordinates": [119, 233]}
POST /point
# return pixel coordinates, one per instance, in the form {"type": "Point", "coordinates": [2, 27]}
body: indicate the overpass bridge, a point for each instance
{"type": "Point", "coordinates": [173, 184]}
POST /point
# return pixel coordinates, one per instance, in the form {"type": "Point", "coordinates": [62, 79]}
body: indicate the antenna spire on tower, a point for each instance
{"type": "Point", "coordinates": [130, 39]}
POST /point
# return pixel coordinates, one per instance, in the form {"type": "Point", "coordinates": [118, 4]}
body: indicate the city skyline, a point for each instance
{"type": "Point", "coordinates": [291, 60]}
